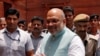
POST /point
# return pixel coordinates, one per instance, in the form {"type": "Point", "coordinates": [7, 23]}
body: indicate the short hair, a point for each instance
{"type": "Point", "coordinates": [94, 16]}
{"type": "Point", "coordinates": [12, 11]}
{"type": "Point", "coordinates": [37, 18]}
{"type": "Point", "coordinates": [21, 22]}
{"type": "Point", "coordinates": [68, 9]}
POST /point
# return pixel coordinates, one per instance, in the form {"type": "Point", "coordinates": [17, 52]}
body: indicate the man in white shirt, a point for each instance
{"type": "Point", "coordinates": [61, 41]}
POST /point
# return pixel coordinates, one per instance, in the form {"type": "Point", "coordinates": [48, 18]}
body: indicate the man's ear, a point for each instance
{"type": "Point", "coordinates": [64, 21]}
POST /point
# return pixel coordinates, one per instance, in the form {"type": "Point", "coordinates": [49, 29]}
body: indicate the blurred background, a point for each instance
{"type": "Point", "coordinates": [30, 8]}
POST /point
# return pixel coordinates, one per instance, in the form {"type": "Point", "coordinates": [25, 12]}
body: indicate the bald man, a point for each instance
{"type": "Point", "coordinates": [2, 23]}
{"type": "Point", "coordinates": [61, 41]}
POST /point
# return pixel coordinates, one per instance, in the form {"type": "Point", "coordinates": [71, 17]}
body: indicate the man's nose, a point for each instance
{"type": "Point", "coordinates": [50, 24]}
{"type": "Point", "coordinates": [12, 21]}
{"type": "Point", "coordinates": [82, 28]}
{"type": "Point", "coordinates": [36, 25]}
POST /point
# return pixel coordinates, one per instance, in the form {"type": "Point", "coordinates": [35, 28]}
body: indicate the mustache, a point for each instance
{"type": "Point", "coordinates": [36, 28]}
{"type": "Point", "coordinates": [82, 31]}
{"type": "Point", "coordinates": [50, 27]}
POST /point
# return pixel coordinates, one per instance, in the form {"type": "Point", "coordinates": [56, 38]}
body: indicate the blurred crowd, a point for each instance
{"type": "Point", "coordinates": [66, 34]}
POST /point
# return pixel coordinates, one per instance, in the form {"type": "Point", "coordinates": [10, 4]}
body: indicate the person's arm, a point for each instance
{"type": "Point", "coordinates": [76, 47]}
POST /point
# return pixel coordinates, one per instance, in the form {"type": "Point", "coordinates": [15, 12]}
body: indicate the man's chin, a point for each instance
{"type": "Point", "coordinates": [82, 33]}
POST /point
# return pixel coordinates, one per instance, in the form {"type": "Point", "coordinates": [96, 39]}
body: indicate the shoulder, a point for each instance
{"type": "Point", "coordinates": [76, 39]}
{"type": "Point", "coordinates": [2, 30]}
{"type": "Point", "coordinates": [23, 32]}
{"type": "Point", "coordinates": [70, 33]}
{"type": "Point", "coordinates": [90, 36]}
{"type": "Point", "coordinates": [46, 38]}
{"type": "Point", "coordinates": [2, 34]}
{"type": "Point", "coordinates": [24, 35]}
{"type": "Point", "coordinates": [76, 47]}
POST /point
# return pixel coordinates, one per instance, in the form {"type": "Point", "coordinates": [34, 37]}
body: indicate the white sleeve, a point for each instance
{"type": "Point", "coordinates": [76, 47]}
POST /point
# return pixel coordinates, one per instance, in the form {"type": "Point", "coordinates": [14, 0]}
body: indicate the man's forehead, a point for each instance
{"type": "Point", "coordinates": [53, 18]}
{"type": "Point", "coordinates": [53, 14]}
{"type": "Point", "coordinates": [12, 16]}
